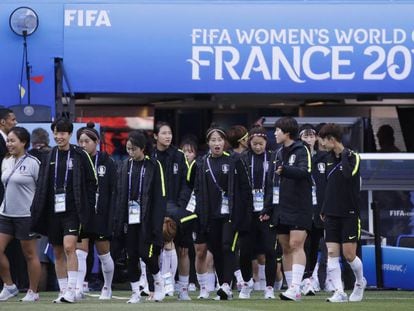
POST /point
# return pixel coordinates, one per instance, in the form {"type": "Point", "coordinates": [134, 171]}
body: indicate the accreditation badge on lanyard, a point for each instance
{"type": "Point", "coordinates": [97, 190]}
{"type": "Point", "coordinates": [191, 206]}
{"type": "Point", "coordinates": [224, 209]}
{"type": "Point", "coordinates": [134, 206]}
{"type": "Point", "coordinates": [258, 194]}
{"type": "Point", "coordinates": [60, 196]}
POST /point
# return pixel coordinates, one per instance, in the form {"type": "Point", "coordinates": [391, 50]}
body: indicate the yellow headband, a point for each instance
{"type": "Point", "coordinates": [244, 137]}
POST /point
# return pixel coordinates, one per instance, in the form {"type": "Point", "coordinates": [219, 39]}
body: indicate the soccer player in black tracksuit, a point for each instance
{"type": "Point", "coordinates": [308, 134]}
{"type": "Point", "coordinates": [340, 212]}
{"type": "Point", "coordinates": [99, 228]}
{"type": "Point", "coordinates": [140, 212]}
{"type": "Point", "coordinates": [253, 231]}
{"type": "Point", "coordinates": [63, 203]}
{"type": "Point", "coordinates": [175, 168]}
{"type": "Point", "coordinates": [221, 184]}
{"type": "Point", "coordinates": [289, 193]}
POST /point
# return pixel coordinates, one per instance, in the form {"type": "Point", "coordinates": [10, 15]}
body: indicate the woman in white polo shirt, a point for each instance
{"type": "Point", "coordinates": [19, 172]}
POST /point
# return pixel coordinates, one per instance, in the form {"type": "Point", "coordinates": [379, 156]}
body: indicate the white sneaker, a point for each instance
{"type": "Point", "coordinates": [192, 287]}
{"type": "Point", "coordinates": [31, 296]}
{"type": "Point", "coordinates": [204, 294]}
{"type": "Point", "coordinates": [59, 298]}
{"type": "Point", "coordinates": [79, 295]}
{"type": "Point", "coordinates": [358, 292]}
{"type": "Point", "coordinates": [68, 296]}
{"type": "Point", "coordinates": [269, 293]}
{"type": "Point", "coordinates": [106, 293]}
{"type": "Point", "coordinates": [135, 298]}
{"type": "Point", "coordinates": [225, 292]}
{"type": "Point", "coordinates": [246, 290]}
{"type": "Point", "coordinates": [315, 284]}
{"type": "Point", "coordinates": [159, 293]}
{"type": "Point", "coordinates": [183, 294]}
{"type": "Point", "coordinates": [291, 294]}
{"type": "Point", "coordinates": [329, 287]}
{"type": "Point", "coordinates": [8, 293]}
{"type": "Point", "coordinates": [338, 296]}
{"type": "Point", "coordinates": [307, 288]}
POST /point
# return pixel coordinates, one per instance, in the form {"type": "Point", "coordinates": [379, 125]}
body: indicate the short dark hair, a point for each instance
{"type": "Point", "coordinates": [22, 134]}
{"type": "Point", "coordinates": [331, 130]}
{"type": "Point", "coordinates": [159, 125]}
{"type": "Point", "coordinates": [62, 125]}
{"type": "Point", "coordinates": [4, 113]}
{"type": "Point", "coordinates": [89, 130]}
{"type": "Point", "coordinates": [235, 134]}
{"type": "Point", "coordinates": [189, 142]}
{"type": "Point", "coordinates": [40, 136]}
{"type": "Point", "coordinates": [137, 138]}
{"type": "Point", "coordinates": [288, 125]}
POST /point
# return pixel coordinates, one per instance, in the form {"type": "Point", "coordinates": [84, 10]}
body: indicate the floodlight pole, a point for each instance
{"type": "Point", "coordinates": [28, 67]}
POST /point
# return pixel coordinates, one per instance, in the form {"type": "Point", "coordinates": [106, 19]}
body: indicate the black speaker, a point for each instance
{"type": "Point", "coordinates": [32, 113]}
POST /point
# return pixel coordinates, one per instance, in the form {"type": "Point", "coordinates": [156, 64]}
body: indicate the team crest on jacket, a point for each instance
{"type": "Point", "coordinates": [321, 167]}
{"type": "Point", "coordinates": [22, 168]}
{"type": "Point", "coordinates": [292, 159]}
{"type": "Point", "coordinates": [70, 165]}
{"type": "Point", "coordinates": [101, 170]}
{"type": "Point", "coordinates": [225, 168]}
{"type": "Point", "coordinates": [175, 168]}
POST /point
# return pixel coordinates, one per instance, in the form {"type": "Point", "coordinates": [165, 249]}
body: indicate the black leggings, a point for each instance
{"type": "Point", "coordinates": [221, 241]}
{"type": "Point", "coordinates": [260, 232]}
{"type": "Point", "coordinates": [312, 248]}
{"type": "Point", "coordinates": [136, 249]}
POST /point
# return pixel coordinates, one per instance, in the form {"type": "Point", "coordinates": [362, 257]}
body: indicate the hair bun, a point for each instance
{"type": "Point", "coordinates": [90, 125]}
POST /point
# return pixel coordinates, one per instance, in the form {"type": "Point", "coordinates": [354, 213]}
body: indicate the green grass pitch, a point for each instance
{"type": "Point", "coordinates": [373, 300]}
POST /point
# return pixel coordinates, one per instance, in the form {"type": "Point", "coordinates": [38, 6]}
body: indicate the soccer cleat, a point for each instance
{"type": "Point", "coordinates": [307, 288]}
{"type": "Point", "coordinates": [8, 293]}
{"type": "Point", "coordinates": [183, 294]}
{"type": "Point", "coordinates": [204, 294]}
{"type": "Point", "coordinates": [291, 294]}
{"type": "Point", "coordinates": [58, 299]}
{"type": "Point", "coordinates": [159, 293]}
{"type": "Point", "coordinates": [246, 290]}
{"type": "Point", "coordinates": [31, 296]}
{"type": "Point", "coordinates": [269, 293]}
{"type": "Point", "coordinates": [224, 292]}
{"type": "Point", "coordinates": [68, 296]}
{"type": "Point", "coordinates": [106, 293]}
{"type": "Point", "coordinates": [135, 298]}
{"type": "Point", "coordinates": [358, 292]}
{"type": "Point", "coordinates": [338, 296]}
{"type": "Point", "coordinates": [79, 295]}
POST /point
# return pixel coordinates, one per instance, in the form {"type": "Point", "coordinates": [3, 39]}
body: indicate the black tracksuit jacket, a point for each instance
{"type": "Point", "coordinates": [295, 187]}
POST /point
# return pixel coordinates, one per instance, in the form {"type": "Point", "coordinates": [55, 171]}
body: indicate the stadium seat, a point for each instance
{"type": "Point", "coordinates": [406, 240]}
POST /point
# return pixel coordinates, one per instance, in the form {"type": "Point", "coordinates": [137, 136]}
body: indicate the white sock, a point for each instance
{"type": "Point", "coordinates": [203, 279]}
{"type": "Point", "coordinates": [135, 287]}
{"type": "Point", "coordinates": [334, 270]}
{"type": "Point", "coordinates": [278, 284]}
{"type": "Point", "coordinates": [297, 275]}
{"type": "Point", "coordinates": [165, 262]}
{"type": "Point", "coordinates": [211, 281]}
{"type": "Point", "coordinates": [63, 284]}
{"type": "Point", "coordinates": [315, 271]}
{"type": "Point", "coordinates": [261, 272]}
{"type": "Point", "coordinates": [82, 255]}
{"type": "Point", "coordinates": [356, 266]}
{"type": "Point", "coordinates": [10, 286]}
{"type": "Point", "coordinates": [288, 277]}
{"type": "Point", "coordinates": [157, 277]}
{"type": "Point", "coordinates": [174, 262]}
{"type": "Point", "coordinates": [143, 279]}
{"type": "Point", "coordinates": [239, 276]}
{"type": "Point", "coordinates": [107, 265]}
{"type": "Point", "coordinates": [72, 280]}
{"type": "Point", "coordinates": [183, 280]}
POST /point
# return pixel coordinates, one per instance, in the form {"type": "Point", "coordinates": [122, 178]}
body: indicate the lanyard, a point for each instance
{"type": "Point", "coordinates": [96, 160]}
{"type": "Point", "coordinates": [264, 170]}
{"type": "Point", "coordinates": [333, 170]}
{"type": "Point", "coordinates": [16, 166]}
{"type": "Point", "coordinates": [275, 166]}
{"type": "Point", "coordinates": [66, 171]}
{"type": "Point", "coordinates": [212, 175]}
{"type": "Point", "coordinates": [141, 178]}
